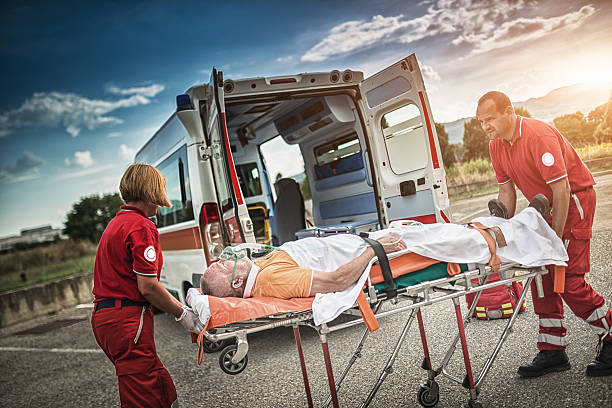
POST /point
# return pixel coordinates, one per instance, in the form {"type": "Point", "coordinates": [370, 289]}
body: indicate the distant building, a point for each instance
{"type": "Point", "coordinates": [31, 236]}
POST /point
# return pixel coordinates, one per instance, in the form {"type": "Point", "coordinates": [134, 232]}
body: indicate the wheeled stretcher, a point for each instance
{"type": "Point", "coordinates": [405, 290]}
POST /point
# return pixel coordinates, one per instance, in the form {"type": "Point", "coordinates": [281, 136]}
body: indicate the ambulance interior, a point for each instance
{"type": "Point", "coordinates": [330, 136]}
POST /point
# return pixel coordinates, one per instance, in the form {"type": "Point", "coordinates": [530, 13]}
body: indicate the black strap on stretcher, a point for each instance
{"type": "Point", "coordinates": [390, 290]}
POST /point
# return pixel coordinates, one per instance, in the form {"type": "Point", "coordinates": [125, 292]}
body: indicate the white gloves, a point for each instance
{"type": "Point", "coordinates": [190, 321]}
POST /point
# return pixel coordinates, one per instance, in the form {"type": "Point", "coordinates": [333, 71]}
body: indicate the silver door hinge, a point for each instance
{"type": "Point", "coordinates": [205, 152]}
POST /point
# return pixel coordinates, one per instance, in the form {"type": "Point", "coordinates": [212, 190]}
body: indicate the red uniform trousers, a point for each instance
{"type": "Point", "coordinates": [126, 336]}
{"type": "Point", "coordinates": [585, 302]}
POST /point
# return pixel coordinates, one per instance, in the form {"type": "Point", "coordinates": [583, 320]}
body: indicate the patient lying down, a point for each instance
{"type": "Point", "coordinates": [279, 275]}
{"type": "Point", "coordinates": [313, 266]}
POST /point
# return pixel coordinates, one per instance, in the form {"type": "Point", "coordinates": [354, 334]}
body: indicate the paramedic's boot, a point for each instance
{"type": "Point", "coordinates": [540, 203]}
{"type": "Point", "coordinates": [603, 361]}
{"type": "Point", "coordinates": [547, 361]}
{"type": "Point", "coordinates": [498, 209]}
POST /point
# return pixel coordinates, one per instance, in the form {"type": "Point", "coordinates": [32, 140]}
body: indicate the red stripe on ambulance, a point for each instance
{"type": "Point", "coordinates": [188, 238]}
{"type": "Point", "coordinates": [230, 160]}
{"type": "Point", "coordinates": [432, 143]}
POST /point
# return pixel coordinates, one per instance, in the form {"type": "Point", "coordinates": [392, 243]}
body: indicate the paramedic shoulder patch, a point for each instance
{"type": "Point", "coordinates": [548, 159]}
{"type": "Point", "coordinates": [149, 253]}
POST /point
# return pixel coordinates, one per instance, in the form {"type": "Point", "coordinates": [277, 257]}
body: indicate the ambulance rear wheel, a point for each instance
{"type": "Point", "coordinates": [427, 396]}
{"type": "Point", "coordinates": [225, 361]}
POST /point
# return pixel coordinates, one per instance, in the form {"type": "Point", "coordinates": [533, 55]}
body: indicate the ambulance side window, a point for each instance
{"type": "Point", "coordinates": [174, 169]}
{"type": "Point", "coordinates": [405, 139]}
{"type": "Point", "coordinates": [340, 156]}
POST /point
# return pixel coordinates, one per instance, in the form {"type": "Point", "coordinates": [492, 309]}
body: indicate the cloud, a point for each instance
{"type": "Point", "coordinates": [429, 74]}
{"type": "Point", "coordinates": [430, 77]}
{"type": "Point", "coordinates": [114, 134]}
{"type": "Point", "coordinates": [355, 35]}
{"type": "Point", "coordinates": [126, 154]}
{"type": "Point", "coordinates": [85, 172]}
{"type": "Point", "coordinates": [25, 168]}
{"type": "Point", "coordinates": [483, 24]}
{"type": "Point", "coordinates": [73, 112]}
{"type": "Point", "coordinates": [525, 29]}
{"type": "Point", "coordinates": [148, 91]}
{"type": "Point", "coordinates": [80, 159]}
{"type": "Point", "coordinates": [25, 177]}
{"type": "Point", "coordinates": [288, 58]}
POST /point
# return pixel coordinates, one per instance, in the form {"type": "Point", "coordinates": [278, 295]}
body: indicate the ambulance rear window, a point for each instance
{"type": "Point", "coordinates": [405, 139]}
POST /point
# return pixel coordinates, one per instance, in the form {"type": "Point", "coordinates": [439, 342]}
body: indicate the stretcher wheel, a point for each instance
{"type": "Point", "coordinates": [213, 346]}
{"type": "Point", "coordinates": [225, 361]}
{"type": "Point", "coordinates": [428, 396]}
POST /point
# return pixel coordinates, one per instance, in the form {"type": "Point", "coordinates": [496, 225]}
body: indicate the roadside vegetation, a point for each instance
{"type": "Point", "coordinates": [597, 151]}
{"type": "Point", "coordinates": [84, 225]}
{"type": "Point", "coordinates": [27, 267]}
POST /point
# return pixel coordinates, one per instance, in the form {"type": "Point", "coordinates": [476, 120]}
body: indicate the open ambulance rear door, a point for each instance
{"type": "Point", "coordinates": [236, 221]}
{"type": "Point", "coordinates": [403, 148]}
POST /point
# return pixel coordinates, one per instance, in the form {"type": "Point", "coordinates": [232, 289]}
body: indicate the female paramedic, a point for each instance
{"type": "Point", "coordinates": [126, 284]}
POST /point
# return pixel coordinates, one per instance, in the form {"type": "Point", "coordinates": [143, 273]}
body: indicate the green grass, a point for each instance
{"type": "Point", "coordinates": [470, 172]}
{"type": "Point", "coordinates": [40, 274]}
{"type": "Point", "coordinates": [595, 151]}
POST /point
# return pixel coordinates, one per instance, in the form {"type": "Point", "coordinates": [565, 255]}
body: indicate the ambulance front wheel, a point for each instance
{"type": "Point", "coordinates": [428, 396]}
{"type": "Point", "coordinates": [225, 361]}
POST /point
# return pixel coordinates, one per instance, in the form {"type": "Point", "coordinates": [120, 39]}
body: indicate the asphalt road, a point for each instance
{"type": "Point", "coordinates": [63, 367]}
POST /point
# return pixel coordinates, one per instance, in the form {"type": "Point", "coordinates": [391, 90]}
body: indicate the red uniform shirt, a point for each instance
{"type": "Point", "coordinates": [538, 156]}
{"type": "Point", "coordinates": [129, 246]}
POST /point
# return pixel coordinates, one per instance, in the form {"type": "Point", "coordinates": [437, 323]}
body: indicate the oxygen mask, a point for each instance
{"type": "Point", "coordinates": [231, 253]}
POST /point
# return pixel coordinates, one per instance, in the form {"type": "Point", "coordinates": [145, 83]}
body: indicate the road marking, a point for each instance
{"type": "Point", "coordinates": [51, 350]}
{"type": "Point", "coordinates": [85, 306]}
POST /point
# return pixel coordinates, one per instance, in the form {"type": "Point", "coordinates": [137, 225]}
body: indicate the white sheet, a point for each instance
{"type": "Point", "coordinates": [531, 242]}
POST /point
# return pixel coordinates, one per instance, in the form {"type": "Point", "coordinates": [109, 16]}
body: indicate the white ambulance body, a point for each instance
{"type": "Point", "coordinates": [369, 146]}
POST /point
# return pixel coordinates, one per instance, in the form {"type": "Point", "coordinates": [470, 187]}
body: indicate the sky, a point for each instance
{"type": "Point", "coordinates": [85, 84]}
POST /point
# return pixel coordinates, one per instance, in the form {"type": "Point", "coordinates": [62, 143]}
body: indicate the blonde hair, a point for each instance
{"type": "Point", "coordinates": [142, 182]}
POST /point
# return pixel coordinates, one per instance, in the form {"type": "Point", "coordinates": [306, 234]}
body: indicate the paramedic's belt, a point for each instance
{"type": "Point", "coordinates": [390, 290]}
{"type": "Point", "coordinates": [103, 304]}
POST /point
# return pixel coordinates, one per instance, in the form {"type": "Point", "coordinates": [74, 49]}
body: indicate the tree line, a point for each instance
{"type": "Point", "coordinates": [580, 130]}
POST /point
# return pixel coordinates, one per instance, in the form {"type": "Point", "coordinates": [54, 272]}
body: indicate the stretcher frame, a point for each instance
{"type": "Point", "coordinates": [233, 358]}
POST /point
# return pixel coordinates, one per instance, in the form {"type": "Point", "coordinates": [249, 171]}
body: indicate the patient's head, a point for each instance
{"type": "Point", "coordinates": [217, 278]}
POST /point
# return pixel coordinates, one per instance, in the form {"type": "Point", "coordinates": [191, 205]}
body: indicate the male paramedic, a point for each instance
{"type": "Point", "coordinates": [536, 158]}
{"type": "Point", "coordinates": [126, 284]}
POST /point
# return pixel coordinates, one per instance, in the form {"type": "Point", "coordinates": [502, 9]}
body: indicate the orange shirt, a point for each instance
{"type": "Point", "coordinates": [280, 276]}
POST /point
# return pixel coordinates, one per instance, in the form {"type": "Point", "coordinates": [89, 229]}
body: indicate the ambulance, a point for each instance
{"type": "Point", "coordinates": [369, 148]}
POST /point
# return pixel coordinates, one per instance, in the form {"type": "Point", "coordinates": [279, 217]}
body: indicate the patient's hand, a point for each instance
{"type": "Point", "coordinates": [391, 243]}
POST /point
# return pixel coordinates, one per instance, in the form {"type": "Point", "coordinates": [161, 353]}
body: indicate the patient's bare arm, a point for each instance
{"type": "Point", "coordinates": [347, 274]}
